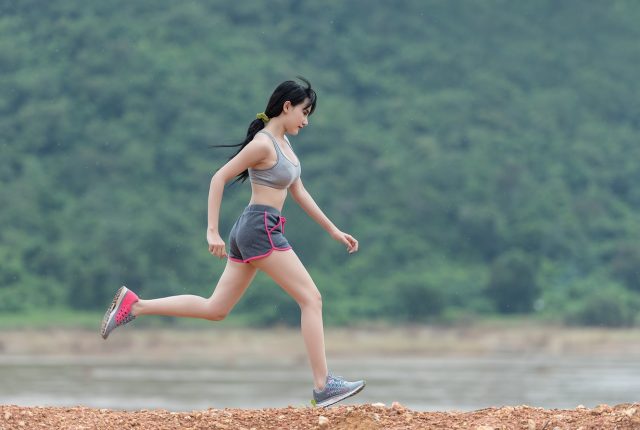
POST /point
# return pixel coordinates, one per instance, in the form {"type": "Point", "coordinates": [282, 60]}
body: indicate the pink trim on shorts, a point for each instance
{"type": "Point", "coordinates": [281, 221]}
{"type": "Point", "coordinates": [237, 260]}
{"type": "Point", "coordinates": [257, 257]}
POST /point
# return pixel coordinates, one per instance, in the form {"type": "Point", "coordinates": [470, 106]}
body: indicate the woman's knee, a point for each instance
{"type": "Point", "coordinates": [219, 316]}
{"type": "Point", "coordinates": [215, 312]}
{"type": "Point", "coordinates": [312, 299]}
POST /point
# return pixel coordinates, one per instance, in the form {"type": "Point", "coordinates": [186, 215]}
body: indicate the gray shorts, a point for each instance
{"type": "Point", "coordinates": [257, 233]}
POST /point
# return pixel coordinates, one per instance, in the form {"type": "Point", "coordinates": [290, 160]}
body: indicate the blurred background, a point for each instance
{"type": "Point", "coordinates": [485, 154]}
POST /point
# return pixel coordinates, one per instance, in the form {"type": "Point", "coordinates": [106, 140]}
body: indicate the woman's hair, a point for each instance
{"type": "Point", "coordinates": [291, 91]}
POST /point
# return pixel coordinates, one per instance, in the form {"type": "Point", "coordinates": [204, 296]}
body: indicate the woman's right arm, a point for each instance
{"type": "Point", "coordinates": [250, 156]}
{"type": "Point", "coordinates": [216, 189]}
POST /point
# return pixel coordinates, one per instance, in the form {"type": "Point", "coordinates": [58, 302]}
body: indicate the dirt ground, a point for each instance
{"type": "Point", "coordinates": [363, 417]}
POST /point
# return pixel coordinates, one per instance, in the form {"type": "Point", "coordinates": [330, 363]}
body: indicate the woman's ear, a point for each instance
{"type": "Point", "coordinates": [286, 107]}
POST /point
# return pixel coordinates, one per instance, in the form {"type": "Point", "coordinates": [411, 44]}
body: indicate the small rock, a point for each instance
{"type": "Point", "coordinates": [531, 425]}
{"type": "Point", "coordinates": [378, 405]}
{"type": "Point", "coordinates": [397, 406]}
{"type": "Point", "coordinates": [349, 409]}
{"type": "Point", "coordinates": [630, 412]}
{"type": "Point", "coordinates": [485, 428]}
{"type": "Point", "coordinates": [376, 417]}
{"type": "Point", "coordinates": [7, 415]}
{"type": "Point", "coordinates": [323, 421]}
{"type": "Point", "coordinates": [22, 423]}
{"type": "Point", "coordinates": [580, 407]}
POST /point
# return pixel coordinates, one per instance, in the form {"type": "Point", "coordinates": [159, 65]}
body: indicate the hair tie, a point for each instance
{"type": "Point", "coordinates": [263, 116]}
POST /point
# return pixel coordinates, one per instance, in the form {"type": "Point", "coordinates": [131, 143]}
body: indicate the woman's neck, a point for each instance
{"type": "Point", "coordinates": [275, 128]}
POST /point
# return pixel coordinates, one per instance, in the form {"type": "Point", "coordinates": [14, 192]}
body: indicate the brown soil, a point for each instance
{"type": "Point", "coordinates": [364, 417]}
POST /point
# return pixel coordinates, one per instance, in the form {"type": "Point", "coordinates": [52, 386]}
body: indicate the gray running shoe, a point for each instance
{"type": "Point", "coordinates": [335, 390]}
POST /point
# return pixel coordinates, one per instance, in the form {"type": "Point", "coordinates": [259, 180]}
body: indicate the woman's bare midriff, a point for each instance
{"type": "Point", "coordinates": [263, 195]}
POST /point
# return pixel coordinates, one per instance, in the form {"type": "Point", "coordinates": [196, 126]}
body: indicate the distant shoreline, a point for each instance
{"type": "Point", "coordinates": [228, 342]}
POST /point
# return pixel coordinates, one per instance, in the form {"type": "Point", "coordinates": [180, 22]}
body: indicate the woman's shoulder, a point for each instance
{"type": "Point", "coordinates": [260, 144]}
{"type": "Point", "coordinates": [261, 139]}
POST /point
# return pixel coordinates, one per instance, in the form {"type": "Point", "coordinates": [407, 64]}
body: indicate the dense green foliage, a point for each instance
{"type": "Point", "coordinates": [485, 154]}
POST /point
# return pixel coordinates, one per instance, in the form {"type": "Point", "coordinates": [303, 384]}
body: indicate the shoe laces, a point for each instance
{"type": "Point", "coordinates": [335, 380]}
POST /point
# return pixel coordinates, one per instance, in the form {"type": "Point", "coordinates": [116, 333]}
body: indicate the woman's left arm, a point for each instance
{"type": "Point", "coordinates": [306, 202]}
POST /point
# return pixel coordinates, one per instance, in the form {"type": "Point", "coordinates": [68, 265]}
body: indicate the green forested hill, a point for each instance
{"type": "Point", "coordinates": [486, 154]}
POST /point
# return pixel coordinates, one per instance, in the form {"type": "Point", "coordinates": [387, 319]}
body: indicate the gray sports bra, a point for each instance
{"type": "Point", "coordinates": [281, 175]}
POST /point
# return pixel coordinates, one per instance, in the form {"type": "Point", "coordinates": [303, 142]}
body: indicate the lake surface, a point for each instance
{"type": "Point", "coordinates": [421, 383]}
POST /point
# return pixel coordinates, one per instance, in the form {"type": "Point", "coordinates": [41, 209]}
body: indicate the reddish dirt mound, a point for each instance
{"type": "Point", "coordinates": [365, 417]}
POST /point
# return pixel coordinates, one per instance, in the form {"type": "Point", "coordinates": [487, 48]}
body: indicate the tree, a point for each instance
{"type": "Point", "coordinates": [513, 286]}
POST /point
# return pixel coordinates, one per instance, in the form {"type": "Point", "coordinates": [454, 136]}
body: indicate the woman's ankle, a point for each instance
{"type": "Point", "coordinates": [136, 308]}
{"type": "Point", "coordinates": [320, 384]}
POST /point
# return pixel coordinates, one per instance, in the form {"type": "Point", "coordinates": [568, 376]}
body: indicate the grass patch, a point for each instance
{"type": "Point", "coordinates": [91, 320]}
{"type": "Point", "coordinates": [52, 318]}
{"type": "Point", "coordinates": [68, 318]}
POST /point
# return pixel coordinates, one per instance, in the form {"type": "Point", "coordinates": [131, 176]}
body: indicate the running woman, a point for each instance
{"type": "Point", "coordinates": [257, 240]}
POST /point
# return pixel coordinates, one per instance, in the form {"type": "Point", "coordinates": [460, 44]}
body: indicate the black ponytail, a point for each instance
{"type": "Point", "coordinates": [291, 91]}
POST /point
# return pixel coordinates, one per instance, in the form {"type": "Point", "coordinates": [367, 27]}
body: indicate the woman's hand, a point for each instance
{"type": "Point", "coordinates": [350, 241]}
{"type": "Point", "coordinates": [216, 244]}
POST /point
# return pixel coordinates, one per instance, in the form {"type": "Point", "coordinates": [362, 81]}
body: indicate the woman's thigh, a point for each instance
{"type": "Point", "coordinates": [286, 269]}
{"type": "Point", "coordinates": [232, 284]}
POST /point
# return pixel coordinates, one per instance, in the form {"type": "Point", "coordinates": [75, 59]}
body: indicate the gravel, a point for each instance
{"type": "Point", "coordinates": [362, 417]}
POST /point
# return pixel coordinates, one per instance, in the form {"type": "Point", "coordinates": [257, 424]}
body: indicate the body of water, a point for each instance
{"type": "Point", "coordinates": [421, 383]}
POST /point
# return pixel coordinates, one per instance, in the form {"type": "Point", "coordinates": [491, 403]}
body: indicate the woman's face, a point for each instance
{"type": "Point", "coordinates": [297, 117]}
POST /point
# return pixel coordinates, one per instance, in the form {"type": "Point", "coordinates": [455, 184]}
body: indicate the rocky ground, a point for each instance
{"type": "Point", "coordinates": [363, 417]}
